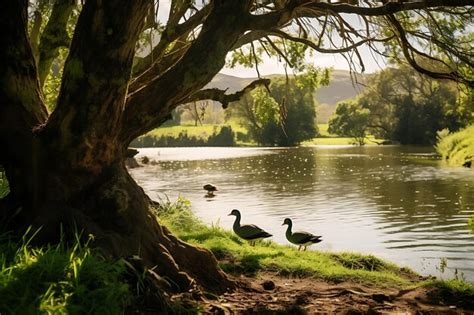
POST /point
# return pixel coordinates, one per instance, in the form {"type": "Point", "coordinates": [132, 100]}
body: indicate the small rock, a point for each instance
{"type": "Point", "coordinates": [131, 162]}
{"type": "Point", "coordinates": [131, 152]}
{"type": "Point", "coordinates": [268, 285]}
{"type": "Point", "coordinates": [379, 297]}
{"type": "Point", "coordinates": [145, 160]}
{"type": "Point", "coordinates": [301, 299]}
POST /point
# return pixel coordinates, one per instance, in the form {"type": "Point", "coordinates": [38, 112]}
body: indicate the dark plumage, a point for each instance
{"type": "Point", "coordinates": [210, 189]}
{"type": "Point", "coordinates": [249, 232]}
{"type": "Point", "coordinates": [302, 239]}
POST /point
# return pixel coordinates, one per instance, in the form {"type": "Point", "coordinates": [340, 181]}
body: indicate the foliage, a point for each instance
{"type": "Point", "coordinates": [457, 148]}
{"type": "Point", "coordinates": [410, 108]}
{"type": "Point", "coordinates": [470, 224]}
{"type": "Point", "coordinates": [223, 136]}
{"type": "Point", "coordinates": [350, 120]}
{"type": "Point", "coordinates": [450, 32]}
{"type": "Point", "coordinates": [3, 184]}
{"type": "Point", "coordinates": [286, 115]}
{"type": "Point", "coordinates": [52, 83]}
{"type": "Point", "coordinates": [196, 111]}
{"type": "Point", "coordinates": [59, 279]}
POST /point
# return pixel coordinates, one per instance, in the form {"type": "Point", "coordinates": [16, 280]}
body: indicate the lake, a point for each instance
{"type": "Point", "coordinates": [399, 203]}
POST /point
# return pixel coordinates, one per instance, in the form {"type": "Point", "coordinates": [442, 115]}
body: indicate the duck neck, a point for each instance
{"type": "Point", "coordinates": [237, 221]}
{"type": "Point", "coordinates": [288, 230]}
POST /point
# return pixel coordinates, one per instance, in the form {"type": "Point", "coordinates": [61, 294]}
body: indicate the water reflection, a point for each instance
{"type": "Point", "coordinates": [395, 202]}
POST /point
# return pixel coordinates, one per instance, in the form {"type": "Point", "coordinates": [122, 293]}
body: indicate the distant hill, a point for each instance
{"type": "Point", "coordinates": [340, 88]}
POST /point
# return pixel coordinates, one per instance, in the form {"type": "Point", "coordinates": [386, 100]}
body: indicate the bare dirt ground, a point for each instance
{"type": "Point", "coordinates": [273, 294]}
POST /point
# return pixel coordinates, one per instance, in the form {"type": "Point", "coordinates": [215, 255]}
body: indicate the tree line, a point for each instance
{"type": "Point", "coordinates": [404, 106]}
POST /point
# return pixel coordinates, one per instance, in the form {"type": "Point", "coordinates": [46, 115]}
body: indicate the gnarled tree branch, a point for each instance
{"type": "Point", "coordinates": [254, 35]}
{"type": "Point", "coordinates": [219, 95]}
{"type": "Point", "coordinates": [146, 108]}
{"type": "Point", "coordinates": [408, 50]}
{"type": "Point", "coordinates": [316, 8]}
{"type": "Point", "coordinates": [169, 35]}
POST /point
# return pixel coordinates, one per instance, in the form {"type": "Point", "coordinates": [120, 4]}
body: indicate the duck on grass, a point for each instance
{"type": "Point", "coordinates": [248, 232]}
{"type": "Point", "coordinates": [302, 239]}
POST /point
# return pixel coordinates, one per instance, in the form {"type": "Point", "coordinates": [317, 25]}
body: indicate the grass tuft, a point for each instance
{"type": "Point", "coordinates": [4, 188]}
{"type": "Point", "coordinates": [457, 149]}
{"type": "Point", "coordinates": [59, 279]}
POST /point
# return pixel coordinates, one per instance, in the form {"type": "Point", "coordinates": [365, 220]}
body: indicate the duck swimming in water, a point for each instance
{"type": "Point", "coordinates": [210, 189]}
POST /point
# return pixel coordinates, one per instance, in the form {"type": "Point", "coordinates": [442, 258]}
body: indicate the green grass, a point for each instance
{"type": "Point", "coordinates": [334, 140]}
{"type": "Point", "coordinates": [4, 189]}
{"type": "Point", "coordinates": [237, 256]}
{"type": "Point", "coordinates": [202, 132]}
{"type": "Point", "coordinates": [323, 130]}
{"type": "Point", "coordinates": [59, 279]}
{"type": "Point", "coordinates": [457, 148]}
{"type": "Point", "coordinates": [329, 141]}
{"type": "Point", "coordinates": [76, 279]}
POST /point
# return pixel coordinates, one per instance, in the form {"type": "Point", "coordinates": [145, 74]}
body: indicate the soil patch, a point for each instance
{"type": "Point", "coordinates": [270, 293]}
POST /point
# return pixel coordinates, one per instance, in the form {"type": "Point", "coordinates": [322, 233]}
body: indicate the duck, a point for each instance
{"type": "Point", "coordinates": [210, 189]}
{"type": "Point", "coordinates": [248, 232]}
{"type": "Point", "coordinates": [302, 239]}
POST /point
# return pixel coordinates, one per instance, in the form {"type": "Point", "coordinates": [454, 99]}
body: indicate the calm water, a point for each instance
{"type": "Point", "coordinates": [398, 203]}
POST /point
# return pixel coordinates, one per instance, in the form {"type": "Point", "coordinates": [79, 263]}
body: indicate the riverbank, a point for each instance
{"type": "Point", "coordinates": [226, 135]}
{"type": "Point", "coordinates": [271, 277]}
{"type": "Point", "coordinates": [457, 149]}
{"type": "Point", "coordinates": [280, 278]}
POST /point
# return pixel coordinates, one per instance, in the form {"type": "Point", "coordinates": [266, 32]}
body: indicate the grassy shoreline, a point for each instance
{"type": "Point", "coordinates": [237, 256]}
{"type": "Point", "coordinates": [457, 148]}
{"type": "Point", "coordinates": [78, 279]}
{"type": "Point", "coordinates": [205, 131]}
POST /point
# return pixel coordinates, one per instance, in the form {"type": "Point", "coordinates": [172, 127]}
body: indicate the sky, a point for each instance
{"type": "Point", "coordinates": [336, 61]}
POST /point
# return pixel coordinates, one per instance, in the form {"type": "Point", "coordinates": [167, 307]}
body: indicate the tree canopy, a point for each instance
{"type": "Point", "coordinates": [284, 113]}
{"type": "Point", "coordinates": [350, 120]}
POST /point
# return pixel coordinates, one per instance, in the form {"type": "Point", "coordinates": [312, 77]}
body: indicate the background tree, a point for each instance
{"type": "Point", "coordinates": [286, 115]}
{"type": "Point", "coordinates": [66, 168]}
{"type": "Point", "coordinates": [410, 107]}
{"type": "Point", "coordinates": [350, 120]}
{"type": "Point", "coordinates": [196, 110]}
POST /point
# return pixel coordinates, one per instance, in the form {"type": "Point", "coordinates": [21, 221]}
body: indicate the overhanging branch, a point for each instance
{"type": "Point", "coordinates": [316, 8]}
{"type": "Point", "coordinates": [408, 50]}
{"type": "Point", "coordinates": [171, 34]}
{"type": "Point", "coordinates": [219, 95]}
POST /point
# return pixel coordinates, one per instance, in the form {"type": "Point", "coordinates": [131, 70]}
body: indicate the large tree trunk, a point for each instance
{"type": "Point", "coordinates": [67, 172]}
{"type": "Point", "coordinates": [58, 196]}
